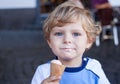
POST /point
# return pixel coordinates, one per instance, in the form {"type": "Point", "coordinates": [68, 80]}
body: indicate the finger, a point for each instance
{"type": "Point", "coordinates": [55, 78]}
{"type": "Point", "coordinates": [51, 80]}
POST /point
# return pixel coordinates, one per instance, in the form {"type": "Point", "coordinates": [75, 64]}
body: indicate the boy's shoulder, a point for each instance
{"type": "Point", "coordinates": [44, 69]}
{"type": "Point", "coordinates": [44, 65]}
{"type": "Point", "coordinates": [95, 66]}
{"type": "Point", "coordinates": [92, 63]}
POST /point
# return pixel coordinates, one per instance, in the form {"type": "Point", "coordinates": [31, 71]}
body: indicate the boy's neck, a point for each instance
{"type": "Point", "coordinates": [77, 62]}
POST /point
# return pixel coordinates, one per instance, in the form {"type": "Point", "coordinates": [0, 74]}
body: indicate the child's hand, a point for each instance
{"type": "Point", "coordinates": [51, 80]}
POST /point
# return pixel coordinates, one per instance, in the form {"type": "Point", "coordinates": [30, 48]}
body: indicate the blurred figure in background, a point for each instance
{"type": "Point", "coordinates": [103, 13]}
{"type": "Point", "coordinates": [101, 4]}
{"type": "Point", "coordinates": [101, 9]}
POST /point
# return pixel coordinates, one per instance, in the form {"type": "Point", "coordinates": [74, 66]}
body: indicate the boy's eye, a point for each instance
{"type": "Point", "coordinates": [76, 34]}
{"type": "Point", "coordinates": [58, 33]}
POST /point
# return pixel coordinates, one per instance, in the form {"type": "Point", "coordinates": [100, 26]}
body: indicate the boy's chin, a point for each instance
{"type": "Point", "coordinates": [67, 58]}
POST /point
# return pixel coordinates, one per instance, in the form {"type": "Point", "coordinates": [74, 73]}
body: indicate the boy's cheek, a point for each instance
{"type": "Point", "coordinates": [48, 41]}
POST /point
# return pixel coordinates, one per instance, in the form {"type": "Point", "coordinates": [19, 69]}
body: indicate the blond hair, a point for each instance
{"type": "Point", "coordinates": [69, 12]}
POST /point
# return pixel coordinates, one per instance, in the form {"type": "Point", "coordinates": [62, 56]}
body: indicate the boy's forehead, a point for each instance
{"type": "Point", "coordinates": [69, 22]}
{"type": "Point", "coordinates": [74, 25]}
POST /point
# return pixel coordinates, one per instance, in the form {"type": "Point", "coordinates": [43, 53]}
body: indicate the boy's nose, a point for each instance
{"type": "Point", "coordinates": [67, 39]}
{"type": "Point", "coordinates": [66, 42]}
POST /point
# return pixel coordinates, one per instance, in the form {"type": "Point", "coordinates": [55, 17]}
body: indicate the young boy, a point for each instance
{"type": "Point", "coordinates": [70, 31]}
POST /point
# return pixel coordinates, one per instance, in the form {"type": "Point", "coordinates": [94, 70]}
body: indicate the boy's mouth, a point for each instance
{"type": "Point", "coordinates": [67, 49]}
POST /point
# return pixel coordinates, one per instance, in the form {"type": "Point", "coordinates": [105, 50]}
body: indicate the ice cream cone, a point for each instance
{"type": "Point", "coordinates": [57, 68]}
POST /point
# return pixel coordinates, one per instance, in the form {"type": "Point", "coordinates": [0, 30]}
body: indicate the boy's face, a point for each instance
{"type": "Point", "coordinates": [69, 42]}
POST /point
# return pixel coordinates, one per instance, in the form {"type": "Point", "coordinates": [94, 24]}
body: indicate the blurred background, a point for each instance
{"type": "Point", "coordinates": [23, 48]}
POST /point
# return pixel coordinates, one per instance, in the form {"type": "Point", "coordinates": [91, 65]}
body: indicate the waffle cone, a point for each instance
{"type": "Point", "coordinates": [56, 69]}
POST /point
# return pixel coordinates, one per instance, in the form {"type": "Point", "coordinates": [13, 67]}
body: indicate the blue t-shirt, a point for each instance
{"type": "Point", "coordinates": [90, 72]}
{"type": "Point", "coordinates": [79, 75]}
